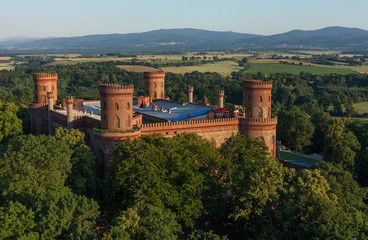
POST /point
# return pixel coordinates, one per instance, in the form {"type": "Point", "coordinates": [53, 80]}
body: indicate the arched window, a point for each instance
{"type": "Point", "coordinates": [44, 88]}
{"type": "Point", "coordinates": [128, 121]}
{"type": "Point", "coordinates": [249, 112]}
{"type": "Point", "coordinates": [162, 84]}
{"type": "Point", "coordinates": [260, 98]}
{"type": "Point", "coordinates": [116, 106]}
{"type": "Point", "coordinates": [44, 99]}
{"type": "Point", "coordinates": [128, 105]}
{"type": "Point", "coordinates": [155, 95]}
{"type": "Point", "coordinates": [117, 122]}
{"type": "Point", "coordinates": [260, 113]}
{"type": "Point", "coordinates": [52, 88]}
{"type": "Point", "coordinates": [154, 84]}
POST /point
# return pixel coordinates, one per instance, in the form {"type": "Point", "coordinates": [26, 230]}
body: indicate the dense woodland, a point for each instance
{"type": "Point", "coordinates": [183, 187]}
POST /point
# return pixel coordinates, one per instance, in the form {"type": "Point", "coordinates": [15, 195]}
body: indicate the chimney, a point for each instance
{"type": "Point", "coordinates": [169, 110]}
{"type": "Point", "coordinates": [221, 94]}
{"type": "Point", "coordinates": [84, 111]}
{"type": "Point", "coordinates": [162, 109]}
{"type": "Point", "coordinates": [190, 94]}
{"type": "Point", "coordinates": [69, 112]}
{"type": "Point", "coordinates": [91, 112]}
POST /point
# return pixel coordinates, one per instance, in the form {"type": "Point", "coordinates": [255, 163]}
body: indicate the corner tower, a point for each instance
{"type": "Point", "coordinates": [154, 85]}
{"type": "Point", "coordinates": [44, 83]}
{"type": "Point", "coordinates": [258, 122]}
{"type": "Point", "coordinates": [116, 106]}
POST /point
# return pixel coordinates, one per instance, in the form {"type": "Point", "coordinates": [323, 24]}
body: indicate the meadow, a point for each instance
{"type": "Point", "coordinates": [224, 68]}
{"type": "Point", "coordinates": [6, 66]}
{"type": "Point", "coordinates": [361, 108]}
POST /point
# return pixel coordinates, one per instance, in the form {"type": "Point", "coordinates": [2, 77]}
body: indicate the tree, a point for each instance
{"type": "Point", "coordinates": [200, 235]}
{"type": "Point", "coordinates": [294, 128]}
{"type": "Point", "coordinates": [166, 173]}
{"type": "Point", "coordinates": [82, 179]}
{"type": "Point", "coordinates": [10, 124]}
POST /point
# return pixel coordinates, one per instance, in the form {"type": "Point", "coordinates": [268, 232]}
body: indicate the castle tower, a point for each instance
{"type": "Point", "coordinates": [43, 83]}
{"type": "Point", "coordinates": [258, 122]}
{"type": "Point", "coordinates": [221, 94]}
{"type": "Point", "coordinates": [116, 106]}
{"type": "Point", "coordinates": [154, 85]}
{"type": "Point", "coordinates": [190, 94]}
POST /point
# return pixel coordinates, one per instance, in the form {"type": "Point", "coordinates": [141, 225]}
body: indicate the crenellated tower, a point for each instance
{"type": "Point", "coordinates": [154, 85]}
{"type": "Point", "coordinates": [116, 106]}
{"type": "Point", "coordinates": [259, 123]}
{"type": "Point", "coordinates": [44, 83]}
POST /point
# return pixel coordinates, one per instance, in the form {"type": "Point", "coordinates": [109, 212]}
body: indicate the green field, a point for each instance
{"type": "Point", "coordinates": [361, 107]}
{"type": "Point", "coordinates": [6, 66]}
{"type": "Point", "coordinates": [267, 68]}
{"type": "Point", "coordinates": [287, 156]}
{"type": "Point", "coordinates": [224, 68]}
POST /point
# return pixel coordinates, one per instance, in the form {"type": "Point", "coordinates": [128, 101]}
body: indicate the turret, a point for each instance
{"type": "Point", "coordinates": [258, 122]}
{"type": "Point", "coordinates": [221, 94]}
{"type": "Point", "coordinates": [257, 98]}
{"type": "Point", "coordinates": [116, 106]}
{"type": "Point", "coordinates": [44, 83]}
{"type": "Point", "coordinates": [154, 85]}
{"type": "Point", "coordinates": [69, 112]}
{"type": "Point", "coordinates": [190, 94]}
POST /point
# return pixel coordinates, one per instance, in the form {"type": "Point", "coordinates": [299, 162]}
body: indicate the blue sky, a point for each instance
{"type": "Point", "coordinates": [59, 18]}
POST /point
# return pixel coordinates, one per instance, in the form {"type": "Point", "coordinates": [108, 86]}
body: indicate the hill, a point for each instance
{"type": "Point", "coordinates": [188, 39]}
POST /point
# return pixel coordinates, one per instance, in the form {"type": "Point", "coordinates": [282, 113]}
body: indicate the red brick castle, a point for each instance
{"type": "Point", "coordinates": [117, 116]}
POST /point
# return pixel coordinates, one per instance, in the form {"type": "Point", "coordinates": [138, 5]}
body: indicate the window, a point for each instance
{"type": "Point", "coordinates": [260, 98]}
{"type": "Point", "coordinates": [52, 88]}
{"type": "Point", "coordinates": [117, 122]}
{"type": "Point", "coordinates": [162, 84]}
{"type": "Point", "coordinates": [44, 88]}
{"type": "Point", "coordinates": [260, 113]}
{"type": "Point", "coordinates": [154, 84]}
{"type": "Point", "coordinates": [128, 105]}
{"type": "Point", "coordinates": [249, 112]}
{"type": "Point", "coordinates": [116, 106]}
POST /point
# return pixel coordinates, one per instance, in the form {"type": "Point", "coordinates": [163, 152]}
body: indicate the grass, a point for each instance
{"type": "Point", "coordinates": [361, 107]}
{"type": "Point", "coordinates": [267, 68]}
{"type": "Point", "coordinates": [287, 156]}
{"type": "Point", "coordinates": [224, 68]}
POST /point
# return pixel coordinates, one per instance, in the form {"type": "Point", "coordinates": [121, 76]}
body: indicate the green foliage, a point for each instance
{"type": "Point", "coordinates": [200, 235]}
{"type": "Point", "coordinates": [148, 222]}
{"type": "Point", "coordinates": [10, 124]}
{"type": "Point", "coordinates": [82, 179]}
{"type": "Point", "coordinates": [165, 172]}
{"type": "Point", "coordinates": [341, 144]}
{"type": "Point", "coordinates": [294, 128]}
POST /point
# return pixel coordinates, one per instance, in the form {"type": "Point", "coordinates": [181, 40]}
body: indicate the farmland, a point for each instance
{"type": "Point", "coordinates": [361, 108]}
{"type": "Point", "coordinates": [224, 68]}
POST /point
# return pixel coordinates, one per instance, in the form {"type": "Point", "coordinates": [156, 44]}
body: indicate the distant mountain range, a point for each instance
{"type": "Point", "coordinates": [188, 39]}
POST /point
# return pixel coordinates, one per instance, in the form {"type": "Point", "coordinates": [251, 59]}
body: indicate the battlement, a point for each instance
{"type": "Point", "coordinates": [271, 120]}
{"type": "Point", "coordinates": [257, 84]}
{"type": "Point", "coordinates": [159, 74]}
{"type": "Point", "coordinates": [189, 124]}
{"type": "Point", "coordinates": [221, 93]}
{"type": "Point", "coordinates": [116, 87]}
{"type": "Point", "coordinates": [190, 89]}
{"type": "Point", "coordinates": [45, 76]}
{"type": "Point", "coordinates": [49, 95]}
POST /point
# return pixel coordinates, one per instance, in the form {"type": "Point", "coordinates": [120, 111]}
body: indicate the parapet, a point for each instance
{"type": "Point", "coordinates": [116, 88]}
{"type": "Point", "coordinates": [49, 95]}
{"type": "Point", "coordinates": [257, 84]}
{"type": "Point", "coordinates": [221, 93]}
{"type": "Point", "coordinates": [256, 121]}
{"type": "Point", "coordinates": [158, 74]}
{"type": "Point", "coordinates": [45, 76]}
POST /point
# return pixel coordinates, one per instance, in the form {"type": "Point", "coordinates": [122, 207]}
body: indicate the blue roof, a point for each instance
{"type": "Point", "coordinates": [178, 111]}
